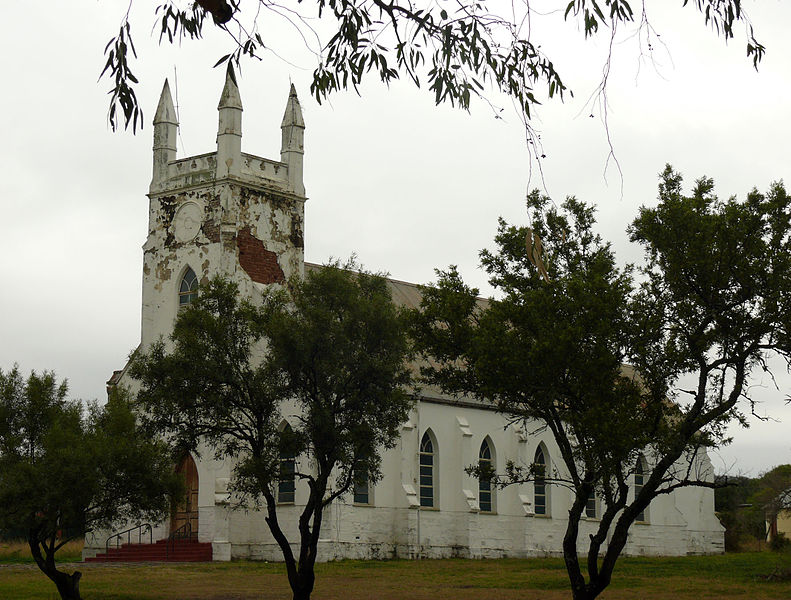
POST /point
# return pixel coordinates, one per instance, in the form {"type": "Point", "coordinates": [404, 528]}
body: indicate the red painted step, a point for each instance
{"type": "Point", "coordinates": [180, 551]}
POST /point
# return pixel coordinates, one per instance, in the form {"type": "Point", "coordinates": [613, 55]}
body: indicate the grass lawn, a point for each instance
{"type": "Point", "coordinates": [683, 578]}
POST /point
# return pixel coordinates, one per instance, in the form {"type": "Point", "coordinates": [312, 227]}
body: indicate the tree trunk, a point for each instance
{"type": "Point", "coordinates": [68, 585]}
{"type": "Point", "coordinates": [303, 587]}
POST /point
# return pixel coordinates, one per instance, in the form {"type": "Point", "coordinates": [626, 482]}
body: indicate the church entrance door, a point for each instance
{"type": "Point", "coordinates": [184, 517]}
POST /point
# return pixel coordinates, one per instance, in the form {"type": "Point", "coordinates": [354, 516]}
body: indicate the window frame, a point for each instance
{"type": "Point", "coordinates": [591, 506]}
{"type": "Point", "coordinates": [190, 294]}
{"type": "Point", "coordinates": [361, 481]}
{"type": "Point", "coordinates": [540, 489]}
{"type": "Point", "coordinates": [286, 486]}
{"type": "Point", "coordinates": [639, 482]}
{"type": "Point", "coordinates": [485, 487]}
{"type": "Point", "coordinates": [427, 473]}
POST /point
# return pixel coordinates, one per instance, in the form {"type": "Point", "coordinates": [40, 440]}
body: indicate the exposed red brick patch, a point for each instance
{"type": "Point", "coordinates": [258, 262]}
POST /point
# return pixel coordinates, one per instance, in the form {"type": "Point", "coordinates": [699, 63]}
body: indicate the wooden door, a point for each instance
{"type": "Point", "coordinates": [186, 511]}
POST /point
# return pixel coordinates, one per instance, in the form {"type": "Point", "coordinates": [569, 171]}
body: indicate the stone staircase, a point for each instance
{"type": "Point", "coordinates": [178, 551]}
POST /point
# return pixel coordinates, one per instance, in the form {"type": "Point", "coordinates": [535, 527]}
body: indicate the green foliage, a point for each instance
{"type": "Point", "coordinates": [779, 542]}
{"type": "Point", "coordinates": [718, 278]}
{"type": "Point", "coordinates": [457, 49]}
{"type": "Point", "coordinates": [774, 491]}
{"type": "Point", "coordinates": [331, 348]}
{"type": "Point", "coordinates": [572, 343]}
{"type": "Point", "coordinates": [65, 472]}
{"type": "Point", "coordinates": [733, 492]}
{"type": "Point", "coordinates": [744, 521]}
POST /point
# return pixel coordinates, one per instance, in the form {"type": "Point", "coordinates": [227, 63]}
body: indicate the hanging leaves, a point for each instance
{"type": "Point", "coordinates": [459, 54]}
{"type": "Point", "coordinates": [535, 253]}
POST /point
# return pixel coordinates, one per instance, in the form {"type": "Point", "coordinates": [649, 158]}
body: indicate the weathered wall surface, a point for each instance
{"type": "Point", "coordinates": [253, 237]}
{"type": "Point", "coordinates": [677, 524]}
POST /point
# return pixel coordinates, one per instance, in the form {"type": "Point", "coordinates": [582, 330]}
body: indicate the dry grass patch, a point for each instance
{"type": "Point", "coordinates": [18, 551]}
{"type": "Point", "coordinates": [685, 578]}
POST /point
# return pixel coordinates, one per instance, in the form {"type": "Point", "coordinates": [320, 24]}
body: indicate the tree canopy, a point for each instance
{"type": "Point", "coordinates": [773, 496]}
{"type": "Point", "coordinates": [65, 472]}
{"type": "Point", "coordinates": [330, 349]}
{"type": "Point", "coordinates": [574, 343]}
{"type": "Point", "coordinates": [460, 50]}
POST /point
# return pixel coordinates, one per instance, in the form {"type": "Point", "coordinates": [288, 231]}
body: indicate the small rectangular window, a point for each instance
{"type": "Point", "coordinates": [361, 491]}
{"type": "Point", "coordinates": [485, 495]}
{"type": "Point", "coordinates": [285, 484]}
{"type": "Point", "coordinates": [540, 496]}
{"type": "Point", "coordinates": [590, 507]}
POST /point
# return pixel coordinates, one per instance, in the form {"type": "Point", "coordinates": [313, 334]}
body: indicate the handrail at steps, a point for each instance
{"type": "Point", "coordinates": [182, 533]}
{"type": "Point", "coordinates": [141, 529]}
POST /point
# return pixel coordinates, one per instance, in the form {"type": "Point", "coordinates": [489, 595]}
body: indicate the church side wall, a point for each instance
{"type": "Point", "coordinates": [678, 523]}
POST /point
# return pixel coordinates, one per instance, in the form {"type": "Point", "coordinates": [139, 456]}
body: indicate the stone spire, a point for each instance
{"type": "Point", "coordinates": [229, 130]}
{"type": "Point", "coordinates": [165, 130]}
{"type": "Point", "coordinates": [292, 148]}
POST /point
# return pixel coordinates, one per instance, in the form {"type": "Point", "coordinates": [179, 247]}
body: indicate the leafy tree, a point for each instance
{"type": "Point", "coordinates": [573, 343]}
{"type": "Point", "coordinates": [773, 495]}
{"type": "Point", "coordinates": [64, 473]}
{"type": "Point", "coordinates": [458, 49]}
{"type": "Point", "coordinates": [741, 518]}
{"type": "Point", "coordinates": [333, 344]}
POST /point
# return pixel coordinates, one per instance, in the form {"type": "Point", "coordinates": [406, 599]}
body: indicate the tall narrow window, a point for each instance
{"type": "Point", "coordinates": [639, 475]}
{"type": "Point", "coordinates": [285, 484]}
{"type": "Point", "coordinates": [590, 506]}
{"type": "Point", "coordinates": [361, 490]}
{"type": "Point", "coordinates": [539, 484]}
{"type": "Point", "coordinates": [188, 289]}
{"type": "Point", "coordinates": [486, 466]}
{"type": "Point", "coordinates": [427, 471]}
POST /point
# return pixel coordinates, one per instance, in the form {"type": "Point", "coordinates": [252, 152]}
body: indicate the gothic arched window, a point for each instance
{"type": "Point", "coordinates": [428, 497]}
{"type": "Point", "coordinates": [486, 466]}
{"type": "Point", "coordinates": [541, 506]}
{"type": "Point", "coordinates": [188, 288]}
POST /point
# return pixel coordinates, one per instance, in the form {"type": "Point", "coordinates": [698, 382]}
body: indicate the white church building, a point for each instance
{"type": "Point", "coordinates": [236, 214]}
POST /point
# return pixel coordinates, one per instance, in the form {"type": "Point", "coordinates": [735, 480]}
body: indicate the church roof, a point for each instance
{"type": "Point", "coordinates": [408, 295]}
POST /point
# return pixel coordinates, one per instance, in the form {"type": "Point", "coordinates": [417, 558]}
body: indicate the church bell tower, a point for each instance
{"type": "Point", "coordinates": [224, 212]}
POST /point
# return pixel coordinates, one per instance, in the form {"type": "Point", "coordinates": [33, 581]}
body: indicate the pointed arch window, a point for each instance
{"type": "Point", "coordinates": [639, 480]}
{"type": "Point", "coordinates": [540, 504]}
{"type": "Point", "coordinates": [285, 484]}
{"type": "Point", "coordinates": [428, 497]}
{"type": "Point", "coordinates": [486, 467]}
{"type": "Point", "coordinates": [188, 288]}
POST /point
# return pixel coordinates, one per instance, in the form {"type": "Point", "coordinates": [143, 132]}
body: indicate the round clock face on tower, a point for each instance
{"type": "Point", "coordinates": [187, 222]}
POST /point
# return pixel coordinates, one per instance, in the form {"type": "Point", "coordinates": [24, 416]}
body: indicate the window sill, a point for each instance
{"type": "Point", "coordinates": [363, 504]}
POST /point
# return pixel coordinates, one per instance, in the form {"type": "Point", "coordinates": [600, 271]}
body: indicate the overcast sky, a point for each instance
{"type": "Point", "coordinates": [406, 185]}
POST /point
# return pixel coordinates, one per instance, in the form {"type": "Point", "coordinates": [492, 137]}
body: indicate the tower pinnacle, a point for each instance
{"type": "Point", "coordinates": [292, 148]}
{"type": "Point", "coordinates": [229, 130]}
{"type": "Point", "coordinates": [165, 129]}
